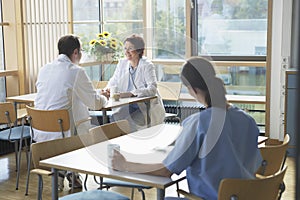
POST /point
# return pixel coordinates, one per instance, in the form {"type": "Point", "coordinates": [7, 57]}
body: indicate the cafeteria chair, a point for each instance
{"type": "Point", "coordinates": [46, 120]}
{"type": "Point", "coordinates": [47, 149]}
{"type": "Point", "coordinates": [274, 154]}
{"type": "Point", "coordinates": [170, 91]}
{"type": "Point", "coordinates": [99, 84]}
{"type": "Point", "coordinates": [14, 133]}
{"type": "Point", "coordinates": [268, 188]}
{"type": "Point", "coordinates": [112, 130]}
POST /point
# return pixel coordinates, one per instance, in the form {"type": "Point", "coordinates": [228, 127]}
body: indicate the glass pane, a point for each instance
{"type": "Point", "coordinates": [231, 27]}
{"type": "Point", "coordinates": [244, 80]}
{"type": "Point", "coordinates": [169, 32]}
{"type": "Point", "coordinates": [85, 10]}
{"type": "Point", "coordinates": [123, 30]}
{"type": "Point", "coordinates": [123, 10]}
{"type": "Point", "coordinates": [86, 32]}
{"type": "Point", "coordinates": [101, 72]}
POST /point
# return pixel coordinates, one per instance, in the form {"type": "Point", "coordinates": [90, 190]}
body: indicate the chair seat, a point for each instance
{"type": "Point", "coordinates": [95, 194]}
{"type": "Point", "coordinates": [113, 182]}
{"type": "Point", "coordinates": [16, 133]}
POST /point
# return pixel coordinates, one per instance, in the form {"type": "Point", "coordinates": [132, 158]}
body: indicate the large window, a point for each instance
{"type": "Point", "coordinates": [234, 30]}
{"type": "Point", "coordinates": [169, 29]}
{"type": "Point", "coordinates": [119, 17]}
{"type": "Point", "coordinates": [232, 27]}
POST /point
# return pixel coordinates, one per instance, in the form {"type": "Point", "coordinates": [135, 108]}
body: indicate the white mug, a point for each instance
{"type": "Point", "coordinates": [110, 152]}
{"type": "Point", "coordinates": [113, 90]}
{"type": "Point", "coordinates": [111, 148]}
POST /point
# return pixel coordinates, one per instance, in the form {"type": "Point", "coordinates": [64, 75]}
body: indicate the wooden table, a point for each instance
{"type": "Point", "coordinates": [126, 101]}
{"type": "Point", "coordinates": [26, 98]}
{"type": "Point", "coordinates": [29, 99]}
{"type": "Point", "coordinates": [149, 145]}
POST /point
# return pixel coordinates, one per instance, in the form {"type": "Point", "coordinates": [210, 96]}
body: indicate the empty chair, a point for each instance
{"type": "Point", "coordinates": [274, 155]}
{"type": "Point", "coordinates": [14, 133]}
{"type": "Point", "coordinates": [113, 130]}
{"type": "Point", "coordinates": [170, 91]}
{"type": "Point", "coordinates": [47, 120]}
{"type": "Point", "coordinates": [47, 149]}
{"type": "Point", "coordinates": [99, 84]}
{"type": "Point", "coordinates": [268, 188]}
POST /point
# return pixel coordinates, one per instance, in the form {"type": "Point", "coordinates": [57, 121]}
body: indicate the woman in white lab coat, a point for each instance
{"type": "Point", "coordinates": [135, 76]}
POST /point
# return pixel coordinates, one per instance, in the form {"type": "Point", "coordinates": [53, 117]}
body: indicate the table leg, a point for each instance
{"type": "Point", "coordinates": [148, 112]}
{"type": "Point", "coordinates": [16, 111]}
{"type": "Point", "coordinates": [104, 117]}
{"type": "Point", "coordinates": [160, 194]}
{"type": "Point", "coordinates": [54, 184]}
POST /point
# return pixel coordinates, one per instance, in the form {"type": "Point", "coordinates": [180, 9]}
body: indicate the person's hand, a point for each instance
{"type": "Point", "coordinates": [126, 94]}
{"type": "Point", "coordinates": [105, 93]}
{"type": "Point", "coordinates": [118, 161]}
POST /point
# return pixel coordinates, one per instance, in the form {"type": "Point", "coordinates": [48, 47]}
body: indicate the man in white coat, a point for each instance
{"type": "Point", "coordinates": [62, 84]}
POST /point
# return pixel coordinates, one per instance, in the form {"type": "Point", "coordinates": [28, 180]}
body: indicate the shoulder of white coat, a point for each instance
{"type": "Point", "coordinates": [145, 61]}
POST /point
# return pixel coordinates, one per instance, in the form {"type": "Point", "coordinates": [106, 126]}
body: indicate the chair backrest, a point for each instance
{"type": "Point", "coordinates": [49, 120]}
{"type": "Point", "coordinates": [248, 189]}
{"type": "Point", "coordinates": [7, 109]}
{"type": "Point", "coordinates": [273, 156]}
{"type": "Point", "coordinates": [169, 90]}
{"type": "Point", "coordinates": [111, 130]}
{"type": "Point", "coordinates": [48, 149]}
{"type": "Point", "coordinates": [99, 84]}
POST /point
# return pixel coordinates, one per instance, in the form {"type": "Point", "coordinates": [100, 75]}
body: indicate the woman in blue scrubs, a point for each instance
{"type": "Point", "coordinates": [216, 143]}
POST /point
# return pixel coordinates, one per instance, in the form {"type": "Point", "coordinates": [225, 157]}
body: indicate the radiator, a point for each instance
{"type": "Point", "coordinates": [6, 147]}
{"type": "Point", "coordinates": [183, 111]}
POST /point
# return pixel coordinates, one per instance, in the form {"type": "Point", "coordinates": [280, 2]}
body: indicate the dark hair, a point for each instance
{"type": "Point", "coordinates": [138, 43]}
{"type": "Point", "coordinates": [67, 44]}
{"type": "Point", "coordinates": [199, 73]}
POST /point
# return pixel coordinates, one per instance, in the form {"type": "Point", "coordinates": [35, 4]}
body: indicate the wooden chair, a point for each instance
{"type": "Point", "coordinates": [14, 133]}
{"type": "Point", "coordinates": [46, 120]}
{"type": "Point", "coordinates": [274, 154]}
{"type": "Point", "coordinates": [267, 188]}
{"type": "Point", "coordinates": [99, 84]}
{"type": "Point", "coordinates": [47, 149]}
{"type": "Point", "coordinates": [170, 91]}
{"type": "Point", "coordinates": [113, 130]}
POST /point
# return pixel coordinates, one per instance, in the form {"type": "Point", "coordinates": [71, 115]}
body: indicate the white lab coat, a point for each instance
{"type": "Point", "coordinates": [146, 83]}
{"type": "Point", "coordinates": [64, 85]}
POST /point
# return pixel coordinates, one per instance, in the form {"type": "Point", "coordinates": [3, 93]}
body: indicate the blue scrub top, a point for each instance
{"type": "Point", "coordinates": [215, 144]}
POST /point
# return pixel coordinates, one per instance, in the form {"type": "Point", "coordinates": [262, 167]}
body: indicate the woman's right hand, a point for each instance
{"type": "Point", "coordinates": [126, 94]}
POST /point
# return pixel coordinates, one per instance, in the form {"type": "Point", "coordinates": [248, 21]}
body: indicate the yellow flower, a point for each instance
{"type": "Point", "coordinates": [105, 46]}
{"type": "Point", "coordinates": [93, 42]}
{"type": "Point", "coordinates": [106, 34]}
{"type": "Point", "coordinates": [102, 42]}
{"type": "Point", "coordinates": [100, 35]}
{"type": "Point", "coordinates": [113, 45]}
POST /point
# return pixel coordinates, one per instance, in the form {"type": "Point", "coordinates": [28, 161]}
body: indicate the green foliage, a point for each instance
{"type": "Point", "coordinates": [251, 9]}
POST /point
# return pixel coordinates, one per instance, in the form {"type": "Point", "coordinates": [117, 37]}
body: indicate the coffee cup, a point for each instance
{"type": "Point", "coordinates": [111, 148]}
{"type": "Point", "coordinates": [113, 90]}
{"type": "Point", "coordinates": [116, 96]}
{"type": "Point", "coordinates": [110, 152]}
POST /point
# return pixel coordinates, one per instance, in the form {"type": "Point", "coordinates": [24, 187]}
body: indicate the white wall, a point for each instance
{"type": "Point", "coordinates": [281, 37]}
